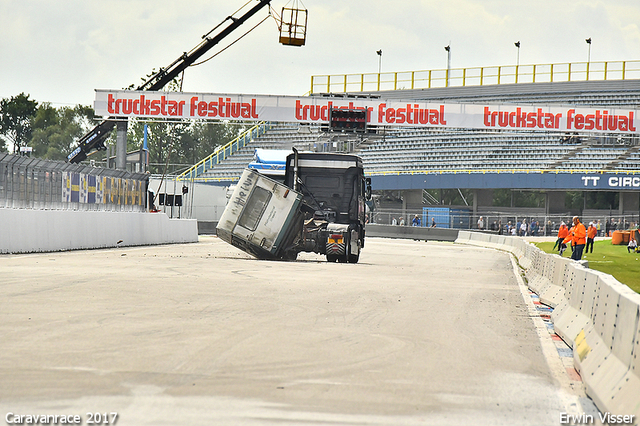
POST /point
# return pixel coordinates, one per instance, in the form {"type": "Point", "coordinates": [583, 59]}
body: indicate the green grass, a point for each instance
{"type": "Point", "coordinates": [610, 259]}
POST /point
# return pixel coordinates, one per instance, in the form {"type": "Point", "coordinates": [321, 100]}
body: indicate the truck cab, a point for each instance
{"type": "Point", "coordinates": [334, 192]}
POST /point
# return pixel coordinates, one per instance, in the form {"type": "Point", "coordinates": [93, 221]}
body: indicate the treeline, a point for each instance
{"type": "Point", "coordinates": [52, 133]}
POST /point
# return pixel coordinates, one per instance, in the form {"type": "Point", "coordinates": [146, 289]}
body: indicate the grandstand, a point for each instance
{"type": "Point", "coordinates": [414, 159]}
{"type": "Point", "coordinates": [427, 150]}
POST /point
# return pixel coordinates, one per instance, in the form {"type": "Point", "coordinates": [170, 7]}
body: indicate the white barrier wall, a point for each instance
{"type": "Point", "coordinates": [593, 312]}
{"type": "Point", "coordinates": [28, 231]}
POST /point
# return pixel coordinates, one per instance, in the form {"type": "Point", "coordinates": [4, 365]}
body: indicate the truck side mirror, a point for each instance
{"type": "Point", "coordinates": [368, 188]}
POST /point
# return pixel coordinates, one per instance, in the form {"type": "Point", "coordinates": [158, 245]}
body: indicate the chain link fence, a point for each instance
{"type": "Point", "coordinates": [536, 222]}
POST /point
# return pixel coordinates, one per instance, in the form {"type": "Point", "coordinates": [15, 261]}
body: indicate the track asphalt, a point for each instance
{"type": "Point", "coordinates": [415, 333]}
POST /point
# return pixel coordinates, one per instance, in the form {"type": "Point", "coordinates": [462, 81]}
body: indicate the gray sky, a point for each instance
{"type": "Point", "coordinates": [60, 51]}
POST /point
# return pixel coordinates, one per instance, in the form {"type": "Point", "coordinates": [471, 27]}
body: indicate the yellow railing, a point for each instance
{"type": "Point", "coordinates": [478, 76]}
{"type": "Point", "coordinates": [224, 152]}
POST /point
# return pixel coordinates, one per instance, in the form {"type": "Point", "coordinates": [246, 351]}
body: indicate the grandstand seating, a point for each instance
{"type": "Point", "coordinates": [430, 150]}
{"type": "Point", "coordinates": [280, 136]}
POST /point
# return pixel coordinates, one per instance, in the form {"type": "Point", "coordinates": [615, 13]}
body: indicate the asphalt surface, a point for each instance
{"type": "Point", "coordinates": [416, 333]}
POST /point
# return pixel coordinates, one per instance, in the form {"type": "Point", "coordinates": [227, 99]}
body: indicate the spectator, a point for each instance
{"type": "Point", "coordinates": [402, 221]}
{"type": "Point", "coordinates": [578, 236]}
{"type": "Point", "coordinates": [394, 221]}
{"type": "Point", "coordinates": [567, 241]}
{"type": "Point", "coordinates": [433, 222]}
{"type": "Point", "coordinates": [480, 223]}
{"type": "Point", "coordinates": [591, 235]}
{"type": "Point", "coordinates": [562, 234]}
{"type": "Point", "coordinates": [416, 221]}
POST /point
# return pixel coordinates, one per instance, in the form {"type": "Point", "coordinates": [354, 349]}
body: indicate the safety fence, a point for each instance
{"type": "Point", "coordinates": [537, 223]}
{"type": "Point", "coordinates": [594, 313]}
{"type": "Point", "coordinates": [31, 183]}
{"type": "Point", "coordinates": [476, 76]}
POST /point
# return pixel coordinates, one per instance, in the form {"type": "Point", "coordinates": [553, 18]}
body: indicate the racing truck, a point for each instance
{"type": "Point", "coordinates": [319, 208]}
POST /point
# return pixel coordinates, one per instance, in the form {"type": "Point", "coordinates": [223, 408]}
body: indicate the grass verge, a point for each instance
{"type": "Point", "coordinates": [610, 259]}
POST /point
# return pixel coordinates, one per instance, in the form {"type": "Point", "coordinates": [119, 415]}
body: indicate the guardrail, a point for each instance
{"type": "Point", "coordinates": [476, 76]}
{"type": "Point", "coordinates": [224, 152]}
{"type": "Point", "coordinates": [594, 313]}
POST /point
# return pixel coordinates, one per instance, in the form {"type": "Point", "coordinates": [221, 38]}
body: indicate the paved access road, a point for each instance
{"type": "Point", "coordinates": [416, 333]}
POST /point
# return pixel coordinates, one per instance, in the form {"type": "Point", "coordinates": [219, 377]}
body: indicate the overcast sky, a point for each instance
{"type": "Point", "coordinates": [60, 51]}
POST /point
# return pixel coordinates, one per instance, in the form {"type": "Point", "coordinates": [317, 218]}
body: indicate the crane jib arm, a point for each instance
{"type": "Point", "coordinates": [96, 137]}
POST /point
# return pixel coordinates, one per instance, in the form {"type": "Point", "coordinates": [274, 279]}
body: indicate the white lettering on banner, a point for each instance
{"type": "Point", "coordinates": [624, 182]}
{"type": "Point", "coordinates": [593, 179]}
{"type": "Point", "coordinates": [315, 109]}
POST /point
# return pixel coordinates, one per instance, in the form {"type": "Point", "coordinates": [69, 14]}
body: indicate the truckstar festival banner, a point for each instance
{"type": "Point", "coordinates": [177, 105]}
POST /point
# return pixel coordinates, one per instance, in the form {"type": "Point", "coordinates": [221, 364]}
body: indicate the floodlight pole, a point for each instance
{"type": "Point", "coordinates": [448, 49]}
{"type": "Point", "coordinates": [379, 52]}
{"type": "Point", "coordinates": [517, 43]}
{"type": "Point", "coordinates": [589, 56]}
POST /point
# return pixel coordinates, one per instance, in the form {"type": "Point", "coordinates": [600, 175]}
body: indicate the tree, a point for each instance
{"type": "Point", "coordinates": [179, 144]}
{"type": "Point", "coordinates": [55, 131]}
{"type": "Point", "coordinates": [16, 118]}
{"type": "Point", "coordinates": [206, 137]}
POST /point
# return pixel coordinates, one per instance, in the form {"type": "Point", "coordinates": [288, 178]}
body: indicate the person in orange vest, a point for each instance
{"type": "Point", "coordinates": [569, 240]}
{"type": "Point", "coordinates": [577, 236]}
{"type": "Point", "coordinates": [591, 236]}
{"type": "Point", "coordinates": [562, 234]}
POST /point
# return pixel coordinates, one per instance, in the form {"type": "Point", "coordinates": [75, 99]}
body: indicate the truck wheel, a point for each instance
{"type": "Point", "coordinates": [350, 257]}
{"type": "Point", "coordinates": [332, 258]}
{"type": "Point", "coordinates": [290, 255]}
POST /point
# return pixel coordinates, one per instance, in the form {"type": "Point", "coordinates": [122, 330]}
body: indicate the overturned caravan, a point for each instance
{"type": "Point", "coordinates": [319, 208]}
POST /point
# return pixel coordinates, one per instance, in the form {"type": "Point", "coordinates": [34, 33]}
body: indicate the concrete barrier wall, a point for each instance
{"type": "Point", "coordinates": [593, 312]}
{"type": "Point", "coordinates": [411, 232]}
{"type": "Point", "coordinates": [29, 231]}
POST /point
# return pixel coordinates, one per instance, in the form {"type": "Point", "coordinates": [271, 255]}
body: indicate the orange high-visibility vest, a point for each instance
{"type": "Point", "coordinates": [579, 234]}
{"type": "Point", "coordinates": [563, 231]}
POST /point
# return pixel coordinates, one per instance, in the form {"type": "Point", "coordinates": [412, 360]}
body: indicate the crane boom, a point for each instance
{"type": "Point", "coordinates": [96, 137]}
